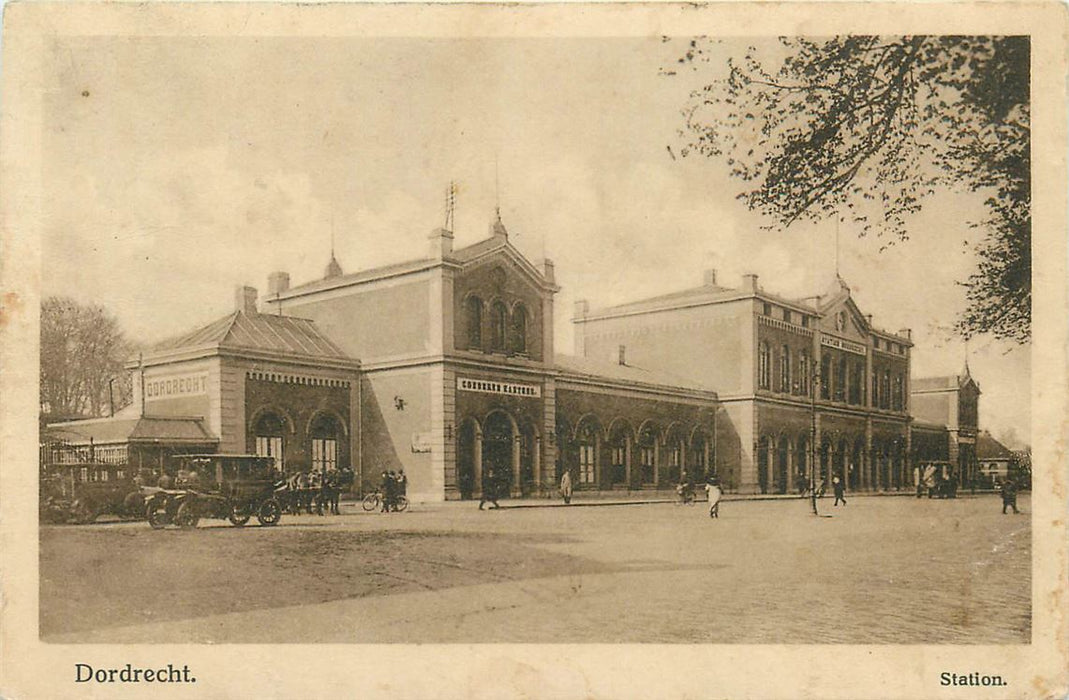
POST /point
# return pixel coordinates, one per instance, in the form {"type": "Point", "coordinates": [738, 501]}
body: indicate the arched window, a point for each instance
{"type": "Point", "coordinates": [885, 389]}
{"type": "Point", "coordinates": [803, 373]}
{"type": "Point", "coordinates": [325, 433]}
{"type": "Point", "coordinates": [519, 329]}
{"type": "Point", "coordinates": [825, 377]}
{"type": "Point", "coordinates": [268, 432]}
{"type": "Point", "coordinates": [897, 395]}
{"type": "Point", "coordinates": [498, 323]}
{"type": "Point", "coordinates": [475, 322]}
{"type": "Point", "coordinates": [785, 369]}
{"type": "Point", "coordinates": [764, 371]}
{"type": "Point", "coordinates": [857, 378]}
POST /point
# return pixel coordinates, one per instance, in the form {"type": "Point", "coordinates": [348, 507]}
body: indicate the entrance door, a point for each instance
{"type": "Point", "coordinates": [497, 451]}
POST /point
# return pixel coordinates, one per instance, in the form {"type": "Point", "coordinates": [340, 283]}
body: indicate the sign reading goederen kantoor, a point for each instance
{"type": "Point", "coordinates": [489, 386]}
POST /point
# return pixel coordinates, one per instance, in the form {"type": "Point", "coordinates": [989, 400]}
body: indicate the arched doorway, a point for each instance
{"type": "Point", "coordinates": [499, 434]}
{"type": "Point", "coordinates": [530, 458]}
{"type": "Point", "coordinates": [588, 442]}
{"type": "Point", "coordinates": [647, 454]}
{"type": "Point", "coordinates": [764, 466]}
{"type": "Point", "coordinates": [783, 459]}
{"type": "Point", "coordinates": [801, 463]}
{"type": "Point", "coordinates": [673, 455]}
{"type": "Point", "coordinates": [620, 441]}
{"type": "Point", "coordinates": [697, 468]}
{"type": "Point", "coordinates": [857, 456]}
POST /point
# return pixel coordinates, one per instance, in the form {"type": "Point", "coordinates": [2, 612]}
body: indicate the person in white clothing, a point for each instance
{"type": "Point", "coordinates": [712, 488]}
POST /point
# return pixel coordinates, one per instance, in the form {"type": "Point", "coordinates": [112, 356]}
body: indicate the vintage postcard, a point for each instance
{"type": "Point", "coordinates": [542, 351]}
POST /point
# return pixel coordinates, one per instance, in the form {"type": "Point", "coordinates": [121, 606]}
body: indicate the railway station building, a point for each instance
{"type": "Point", "coordinates": [446, 366]}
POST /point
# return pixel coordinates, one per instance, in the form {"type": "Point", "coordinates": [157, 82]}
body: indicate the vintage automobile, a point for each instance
{"type": "Point", "coordinates": [223, 486]}
{"type": "Point", "coordinates": [81, 492]}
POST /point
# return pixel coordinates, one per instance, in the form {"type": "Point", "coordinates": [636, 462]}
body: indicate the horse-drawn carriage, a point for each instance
{"type": "Point", "coordinates": [81, 492]}
{"type": "Point", "coordinates": [225, 487]}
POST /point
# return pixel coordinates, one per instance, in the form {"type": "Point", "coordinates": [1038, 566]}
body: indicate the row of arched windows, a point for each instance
{"type": "Point", "coordinates": [841, 380]}
{"type": "Point", "coordinates": [269, 440]}
{"type": "Point", "coordinates": [507, 327]}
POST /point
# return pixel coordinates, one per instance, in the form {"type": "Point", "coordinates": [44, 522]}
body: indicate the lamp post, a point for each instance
{"type": "Point", "coordinates": [813, 386]}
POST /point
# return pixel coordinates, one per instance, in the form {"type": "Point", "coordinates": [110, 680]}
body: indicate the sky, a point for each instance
{"type": "Point", "coordinates": [178, 168]}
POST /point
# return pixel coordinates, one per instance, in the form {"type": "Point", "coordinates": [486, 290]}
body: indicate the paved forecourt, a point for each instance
{"type": "Point", "coordinates": [880, 570]}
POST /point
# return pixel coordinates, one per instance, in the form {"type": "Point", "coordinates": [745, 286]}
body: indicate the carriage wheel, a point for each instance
{"type": "Point", "coordinates": [240, 514]}
{"type": "Point", "coordinates": [270, 512]}
{"type": "Point", "coordinates": [187, 517]}
{"type": "Point", "coordinates": [371, 502]}
{"type": "Point", "coordinates": [156, 514]}
{"type": "Point", "coordinates": [401, 504]}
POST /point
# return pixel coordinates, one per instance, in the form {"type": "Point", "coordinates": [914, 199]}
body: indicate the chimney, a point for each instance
{"type": "Point", "coordinates": [749, 283]}
{"type": "Point", "coordinates": [621, 354]}
{"type": "Point", "coordinates": [441, 241]}
{"type": "Point", "coordinates": [548, 270]}
{"type": "Point", "coordinates": [245, 298]}
{"type": "Point", "coordinates": [709, 278]}
{"type": "Point", "coordinates": [906, 332]}
{"type": "Point", "coordinates": [868, 319]}
{"type": "Point", "coordinates": [582, 307]}
{"type": "Point", "coordinates": [277, 283]}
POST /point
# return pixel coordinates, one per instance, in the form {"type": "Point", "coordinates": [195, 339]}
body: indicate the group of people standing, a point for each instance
{"type": "Point", "coordinates": [394, 487]}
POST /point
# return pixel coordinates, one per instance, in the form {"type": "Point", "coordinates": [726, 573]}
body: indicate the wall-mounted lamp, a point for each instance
{"type": "Point", "coordinates": [398, 403]}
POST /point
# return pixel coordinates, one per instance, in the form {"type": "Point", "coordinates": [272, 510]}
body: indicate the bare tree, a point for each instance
{"type": "Point", "coordinates": [867, 127]}
{"type": "Point", "coordinates": [82, 355]}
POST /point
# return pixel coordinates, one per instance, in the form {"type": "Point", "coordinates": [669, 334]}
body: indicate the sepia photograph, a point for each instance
{"type": "Point", "coordinates": [477, 330]}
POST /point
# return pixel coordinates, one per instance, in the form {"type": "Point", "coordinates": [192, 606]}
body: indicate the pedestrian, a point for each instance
{"type": "Point", "coordinates": [1009, 496]}
{"type": "Point", "coordinates": [566, 487]}
{"type": "Point", "coordinates": [387, 491]}
{"type": "Point", "coordinates": [712, 489]}
{"type": "Point", "coordinates": [489, 489]}
{"type": "Point", "coordinates": [839, 487]}
{"type": "Point", "coordinates": [402, 483]}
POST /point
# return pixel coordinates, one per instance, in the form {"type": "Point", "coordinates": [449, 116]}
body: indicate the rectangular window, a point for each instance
{"type": "Point", "coordinates": [787, 315]}
{"type": "Point", "coordinates": [586, 464]}
{"type": "Point", "coordinates": [324, 454]}
{"type": "Point", "coordinates": [805, 322]}
{"type": "Point", "coordinates": [768, 309]}
{"type": "Point", "coordinates": [84, 475]}
{"type": "Point", "coordinates": [104, 475]}
{"type": "Point", "coordinates": [270, 447]}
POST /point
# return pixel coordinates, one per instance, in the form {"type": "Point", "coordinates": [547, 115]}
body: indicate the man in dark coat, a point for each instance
{"type": "Point", "coordinates": [1009, 496]}
{"type": "Point", "coordinates": [489, 489]}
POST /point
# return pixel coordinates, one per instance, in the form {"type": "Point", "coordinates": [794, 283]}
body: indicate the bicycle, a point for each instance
{"type": "Point", "coordinates": [373, 501]}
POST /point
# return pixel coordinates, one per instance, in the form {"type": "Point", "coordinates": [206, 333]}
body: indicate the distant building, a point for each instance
{"type": "Point", "coordinates": [995, 461]}
{"type": "Point", "coordinates": [946, 411]}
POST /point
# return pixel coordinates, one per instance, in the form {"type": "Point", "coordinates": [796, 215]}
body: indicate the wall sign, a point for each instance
{"type": "Point", "coordinates": [166, 387]}
{"type": "Point", "coordinates": [841, 344]}
{"type": "Point", "coordinates": [487, 386]}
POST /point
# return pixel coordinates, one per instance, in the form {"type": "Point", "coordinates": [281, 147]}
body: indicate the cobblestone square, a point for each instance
{"type": "Point", "coordinates": [880, 570]}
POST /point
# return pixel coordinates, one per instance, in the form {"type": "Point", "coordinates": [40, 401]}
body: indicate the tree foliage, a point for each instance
{"type": "Point", "coordinates": [867, 127]}
{"type": "Point", "coordinates": [82, 351]}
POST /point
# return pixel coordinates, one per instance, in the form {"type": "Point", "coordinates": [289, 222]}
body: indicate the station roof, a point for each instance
{"type": "Point", "coordinates": [152, 429]}
{"type": "Point", "coordinates": [614, 371]}
{"type": "Point", "coordinates": [241, 330]}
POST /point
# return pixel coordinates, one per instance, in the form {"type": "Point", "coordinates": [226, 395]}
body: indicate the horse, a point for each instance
{"type": "Point", "coordinates": [334, 482]}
